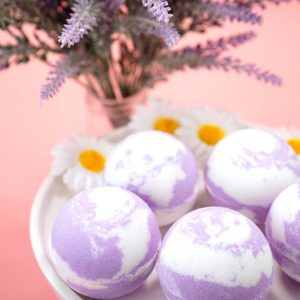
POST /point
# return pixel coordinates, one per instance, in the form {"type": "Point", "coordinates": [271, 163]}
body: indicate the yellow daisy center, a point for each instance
{"type": "Point", "coordinates": [166, 124]}
{"type": "Point", "coordinates": [295, 144]}
{"type": "Point", "coordinates": [92, 160]}
{"type": "Point", "coordinates": [210, 134]}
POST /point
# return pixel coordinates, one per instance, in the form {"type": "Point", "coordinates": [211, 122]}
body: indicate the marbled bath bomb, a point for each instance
{"type": "Point", "coordinates": [215, 253]}
{"type": "Point", "coordinates": [104, 242]}
{"type": "Point", "coordinates": [160, 169]}
{"type": "Point", "coordinates": [283, 230]}
{"type": "Point", "coordinates": [248, 169]}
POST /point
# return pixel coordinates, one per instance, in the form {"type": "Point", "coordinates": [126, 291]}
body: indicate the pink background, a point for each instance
{"type": "Point", "coordinates": [28, 132]}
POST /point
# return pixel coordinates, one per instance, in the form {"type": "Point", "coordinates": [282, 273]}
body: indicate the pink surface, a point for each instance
{"type": "Point", "coordinates": [28, 132]}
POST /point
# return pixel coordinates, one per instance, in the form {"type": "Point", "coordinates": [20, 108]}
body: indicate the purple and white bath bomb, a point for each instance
{"type": "Point", "coordinates": [104, 242]}
{"type": "Point", "coordinates": [215, 253]}
{"type": "Point", "coordinates": [160, 169]}
{"type": "Point", "coordinates": [248, 169]}
{"type": "Point", "coordinates": [283, 230]}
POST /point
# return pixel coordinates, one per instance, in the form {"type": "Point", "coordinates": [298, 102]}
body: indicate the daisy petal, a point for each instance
{"type": "Point", "coordinates": [80, 160]}
{"type": "Point", "coordinates": [157, 115]}
{"type": "Point", "coordinates": [292, 136]}
{"type": "Point", "coordinates": [201, 129]}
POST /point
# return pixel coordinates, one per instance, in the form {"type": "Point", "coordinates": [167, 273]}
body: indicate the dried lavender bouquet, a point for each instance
{"type": "Point", "coordinates": [116, 48]}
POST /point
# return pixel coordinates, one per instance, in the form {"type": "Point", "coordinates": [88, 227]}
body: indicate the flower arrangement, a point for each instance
{"type": "Point", "coordinates": [116, 48]}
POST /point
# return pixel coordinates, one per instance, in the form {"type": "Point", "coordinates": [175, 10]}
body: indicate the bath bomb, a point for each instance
{"type": "Point", "coordinates": [160, 169]}
{"type": "Point", "coordinates": [283, 230]}
{"type": "Point", "coordinates": [248, 169]}
{"type": "Point", "coordinates": [215, 253]}
{"type": "Point", "coordinates": [104, 242]}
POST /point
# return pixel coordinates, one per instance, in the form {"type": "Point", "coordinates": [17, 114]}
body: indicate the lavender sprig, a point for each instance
{"type": "Point", "coordinates": [149, 26]}
{"type": "Point", "coordinates": [261, 3]}
{"type": "Point", "coordinates": [232, 11]}
{"type": "Point", "coordinates": [207, 13]}
{"type": "Point", "coordinates": [108, 9]}
{"type": "Point", "coordinates": [209, 56]}
{"type": "Point", "coordinates": [228, 64]}
{"type": "Point", "coordinates": [83, 19]}
{"type": "Point", "coordinates": [192, 55]}
{"type": "Point", "coordinates": [65, 68]}
{"type": "Point", "coordinates": [112, 7]}
{"type": "Point", "coordinates": [159, 9]}
{"type": "Point", "coordinates": [222, 44]}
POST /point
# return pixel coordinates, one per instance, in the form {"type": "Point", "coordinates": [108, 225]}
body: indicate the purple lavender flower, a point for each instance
{"type": "Point", "coordinates": [112, 7]}
{"type": "Point", "coordinates": [220, 45]}
{"type": "Point", "coordinates": [83, 19]}
{"type": "Point", "coordinates": [65, 68]}
{"type": "Point", "coordinates": [167, 32]}
{"type": "Point", "coordinates": [159, 9]}
{"type": "Point", "coordinates": [216, 47]}
{"type": "Point", "coordinates": [233, 11]}
{"type": "Point", "coordinates": [109, 8]}
{"type": "Point", "coordinates": [149, 26]}
{"type": "Point", "coordinates": [209, 56]}
{"type": "Point", "coordinates": [228, 63]}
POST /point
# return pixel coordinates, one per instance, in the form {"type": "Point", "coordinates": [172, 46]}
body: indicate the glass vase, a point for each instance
{"type": "Point", "coordinates": [118, 113]}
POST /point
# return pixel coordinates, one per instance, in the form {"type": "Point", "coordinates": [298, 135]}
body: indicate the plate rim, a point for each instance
{"type": "Point", "coordinates": [35, 230]}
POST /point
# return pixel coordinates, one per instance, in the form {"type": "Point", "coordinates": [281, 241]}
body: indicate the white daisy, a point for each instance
{"type": "Point", "coordinates": [157, 115]}
{"type": "Point", "coordinates": [291, 136]}
{"type": "Point", "coordinates": [80, 160]}
{"type": "Point", "coordinates": [203, 128]}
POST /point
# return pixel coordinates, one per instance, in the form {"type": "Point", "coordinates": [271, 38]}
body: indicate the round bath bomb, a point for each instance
{"type": "Point", "coordinates": [160, 169]}
{"type": "Point", "coordinates": [104, 242]}
{"type": "Point", "coordinates": [248, 169]}
{"type": "Point", "coordinates": [283, 230]}
{"type": "Point", "coordinates": [215, 253]}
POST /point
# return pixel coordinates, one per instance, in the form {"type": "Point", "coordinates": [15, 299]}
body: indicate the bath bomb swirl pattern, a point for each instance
{"type": "Point", "coordinates": [283, 230]}
{"type": "Point", "coordinates": [248, 169]}
{"type": "Point", "coordinates": [104, 242]}
{"type": "Point", "coordinates": [160, 169]}
{"type": "Point", "coordinates": [215, 253]}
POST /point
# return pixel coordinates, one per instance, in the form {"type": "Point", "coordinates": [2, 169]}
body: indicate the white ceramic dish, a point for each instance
{"type": "Point", "coordinates": [50, 198]}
